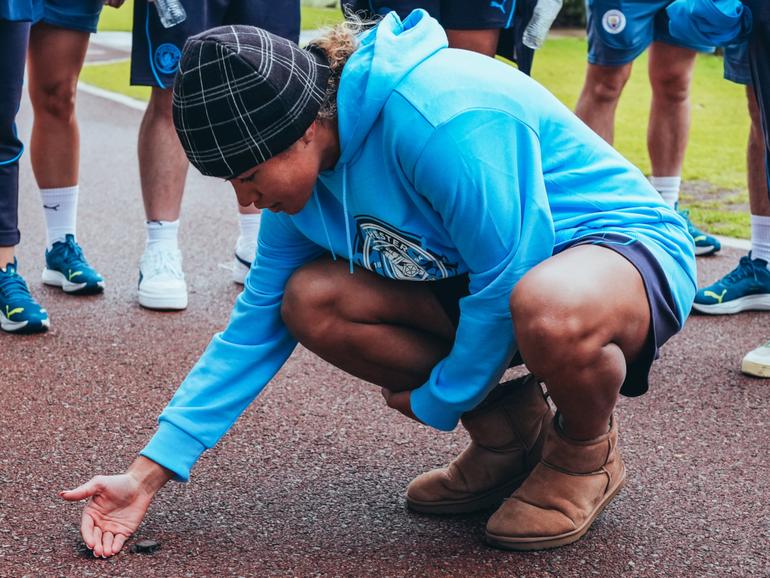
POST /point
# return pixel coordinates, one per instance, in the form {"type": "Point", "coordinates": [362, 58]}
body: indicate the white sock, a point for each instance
{"type": "Point", "coordinates": [163, 234]}
{"type": "Point", "coordinates": [60, 207]}
{"type": "Point", "coordinates": [249, 226]}
{"type": "Point", "coordinates": [760, 237]}
{"type": "Point", "coordinates": [668, 187]}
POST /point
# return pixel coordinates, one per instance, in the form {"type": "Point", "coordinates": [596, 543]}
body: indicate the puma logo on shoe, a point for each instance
{"type": "Point", "coordinates": [52, 207]}
{"type": "Point", "coordinates": [714, 296]}
{"type": "Point", "coordinates": [10, 312]}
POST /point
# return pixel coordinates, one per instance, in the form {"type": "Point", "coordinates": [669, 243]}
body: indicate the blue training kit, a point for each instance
{"type": "Point", "coordinates": [620, 30]}
{"type": "Point", "coordinates": [14, 37]}
{"type": "Point", "coordinates": [80, 15]}
{"type": "Point", "coordinates": [509, 16]}
{"type": "Point", "coordinates": [725, 22]}
{"type": "Point", "coordinates": [155, 50]}
{"type": "Point", "coordinates": [451, 163]}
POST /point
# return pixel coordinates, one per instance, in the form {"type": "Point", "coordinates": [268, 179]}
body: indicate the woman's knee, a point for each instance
{"type": "Point", "coordinates": [554, 327]}
{"type": "Point", "coordinates": [308, 302]}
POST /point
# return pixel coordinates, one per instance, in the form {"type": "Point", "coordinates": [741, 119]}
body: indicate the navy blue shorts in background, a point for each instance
{"type": "Point", "coordinates": [14, 37]}
{"type": "Point", "coordinates": [620, 30]}
{"type": "Point", "coordinates": [759, 64]}
{"type": "Point", "coordinates": [663, 313]}
{"type": "Point", "coordinates": [453, 14]}
{"type": "Point", "coordinates": [508, 16]}
{"type": "Point", "coordinates": [156, 50]}
{"type": "Point", "coordinates": [737, 63]}
{"type": "Point", "coordinates": [82, 15]}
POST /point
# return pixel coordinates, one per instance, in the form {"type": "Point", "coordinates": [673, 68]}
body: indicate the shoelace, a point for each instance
{"type": "Point", "coordinates": [160, 262]}
{"type": "Point", "coordinates": [73, 254]}
{"type": "Point", "coordinates": [14, 288]}
{"type": "Point", "coordinates": [744, 270]}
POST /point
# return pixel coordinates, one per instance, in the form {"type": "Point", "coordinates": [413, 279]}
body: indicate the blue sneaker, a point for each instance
{"type": "Point", "coordinates": [19, 312]}
{"type": "Point", "coordinates": [744, 288]}
{"type": "Point", "coordinates": [66, 267]}
{"type": "Point", "coordinates": [705, 244]}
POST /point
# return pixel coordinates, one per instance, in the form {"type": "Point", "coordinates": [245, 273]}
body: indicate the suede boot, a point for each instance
{"type": "Point", "coordinates": [507, 434]}
{"type": "Point", "coordinates": [562, 496]}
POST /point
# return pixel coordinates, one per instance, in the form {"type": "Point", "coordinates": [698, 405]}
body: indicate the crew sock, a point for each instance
{"type": "Point", "coordinates": [60, 206]}
{"type": "Point", "coordinates": [668, 187]}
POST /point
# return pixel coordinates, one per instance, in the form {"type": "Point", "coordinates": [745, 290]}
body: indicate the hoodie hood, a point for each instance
{"type": "Point", "coordinates": [386, 55]}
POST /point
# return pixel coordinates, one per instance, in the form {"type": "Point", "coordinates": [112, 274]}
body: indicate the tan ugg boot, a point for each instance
{"type": "Point", "coordinates": [507, 434]}
{"type": "Point", "coordinates": [562, 496]}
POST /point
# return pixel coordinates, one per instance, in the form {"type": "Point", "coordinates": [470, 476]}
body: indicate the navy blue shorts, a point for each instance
{"type": "Point", "coordinates": [508, 16]}
{"type": "Point", "coordinates": [663, 313]}
{"type": "Point", "coordinates": [759, 64]}
{"type": "Point", "coordinates": [80, 15]}
{"type": "Point", "coordinates": [453, 14]}
{"type": "Point", "coordinates": [156, 50]}
{"type": "Point", "coordinates": [737, 63]}
{"type": "Point", "coordinates": [620, 30]}
{"type": "Point", "coordinates": [14, 37]}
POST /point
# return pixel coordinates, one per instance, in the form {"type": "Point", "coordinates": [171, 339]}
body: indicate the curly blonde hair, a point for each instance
{"type": "Point", "coordinates": [338, 43]}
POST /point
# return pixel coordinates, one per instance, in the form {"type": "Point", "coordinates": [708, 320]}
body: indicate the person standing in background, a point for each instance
{"type": "Point", "coordinates": [726, 22]}
{"type": "Point", "coordinates": [55, 36]}
{"type": "Point", "coordinates": [617, 34]}
{"type": "Point", "coordinates": [163, 166]}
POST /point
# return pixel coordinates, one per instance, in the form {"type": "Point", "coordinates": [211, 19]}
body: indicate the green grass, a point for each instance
{"type": "Point", "coordinates": [720, 124]}
{"type": "Point", "coordinates": [716, 153]}
{"type": "Point", "coordinates": [117, 19]}
{"type": "Point", "coordinates": [120, 19]}
{"type": "Point", "coordinates": [314, 18]}
{"type": "Point", "coordinates": [115, 78]}
{"type": "Point", "coordinates": [719, 129]}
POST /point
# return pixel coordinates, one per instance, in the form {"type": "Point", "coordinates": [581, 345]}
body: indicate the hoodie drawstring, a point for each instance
{"type": "Point", "coordinates": [323, 223]}
{"type": "Point", "coordinates": [345, 214]}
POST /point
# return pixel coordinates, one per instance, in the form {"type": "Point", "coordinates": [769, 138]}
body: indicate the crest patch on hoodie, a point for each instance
{"type": "Point", "coordinates": [396, 254]}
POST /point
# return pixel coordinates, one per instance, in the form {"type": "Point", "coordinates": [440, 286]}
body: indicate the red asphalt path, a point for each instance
{"type": "Point", "coordinates": [310, 480]}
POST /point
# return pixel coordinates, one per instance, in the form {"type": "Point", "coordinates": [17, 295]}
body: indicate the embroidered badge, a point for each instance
{"type": "Point", "coordinates": [167, 58]}
{"type": "Point", "coordinates": [397, 255]}
{"type": "Point", "coordinates": [614, 21]}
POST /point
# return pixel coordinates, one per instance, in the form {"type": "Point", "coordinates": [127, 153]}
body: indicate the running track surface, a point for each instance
{"type": "Point", "coordinates": [310, 480]}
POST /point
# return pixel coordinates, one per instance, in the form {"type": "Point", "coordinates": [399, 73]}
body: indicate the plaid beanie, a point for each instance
{"type": "Point", "coordinates": [243, 95]}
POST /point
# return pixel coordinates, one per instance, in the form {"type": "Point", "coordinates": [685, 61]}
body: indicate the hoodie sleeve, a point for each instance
{"type": "Point", "coordinates": [482, 173]}
{"type": "Point", "coordinates": [710, 22]}
{"type": "Point", "coordinates": [238, 363]}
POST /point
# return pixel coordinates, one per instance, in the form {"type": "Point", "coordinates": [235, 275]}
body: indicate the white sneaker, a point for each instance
{"type": "Point", "coordinates": [161, 280]}
{"type": "Point", "coordinates": [245, 251]}
{"type": "Point", "coordinates": [757, 362]}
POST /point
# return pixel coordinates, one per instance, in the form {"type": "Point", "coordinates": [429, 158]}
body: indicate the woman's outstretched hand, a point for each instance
{"type": "Point", "coordinates": [117, 504]}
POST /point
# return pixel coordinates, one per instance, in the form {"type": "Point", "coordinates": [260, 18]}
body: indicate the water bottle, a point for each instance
{"type": "Point", "coordinates": [544, 14]}
{"type": "Point", "coordinates": [170, 12]}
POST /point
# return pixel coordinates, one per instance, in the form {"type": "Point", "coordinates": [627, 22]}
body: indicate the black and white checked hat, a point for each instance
{"type": "Point", "coordinates": [243, 95]}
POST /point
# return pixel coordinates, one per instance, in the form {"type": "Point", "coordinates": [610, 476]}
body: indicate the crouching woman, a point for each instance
{"type": "Point", "coordinates": [435, 216]}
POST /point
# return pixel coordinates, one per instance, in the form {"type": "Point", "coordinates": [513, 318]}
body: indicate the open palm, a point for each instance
{"type": "Point", "coordinates": [116, 508]}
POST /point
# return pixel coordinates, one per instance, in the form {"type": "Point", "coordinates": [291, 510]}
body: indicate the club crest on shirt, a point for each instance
{"type": "Point", "coordinates": [398, 255]}
{"type": "Point", "coordinates": [614, 21]}
{"type": "Point", "coordinates": [167, 58]}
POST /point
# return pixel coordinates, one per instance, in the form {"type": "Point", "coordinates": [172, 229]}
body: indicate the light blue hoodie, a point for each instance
{"type": "Point", "coordinates": [451, 163]}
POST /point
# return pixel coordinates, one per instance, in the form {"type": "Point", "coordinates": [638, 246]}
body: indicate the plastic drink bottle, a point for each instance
{"type": "Point", "coordinates": [543, 16]}
{"type": "Point", "coordinates": [170, 12]}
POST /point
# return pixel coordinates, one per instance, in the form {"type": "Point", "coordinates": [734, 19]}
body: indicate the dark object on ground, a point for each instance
{"type": "Point", "coordinates": [145, 547]}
